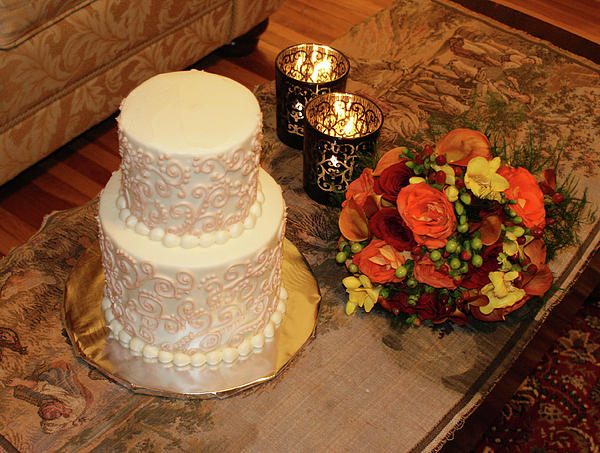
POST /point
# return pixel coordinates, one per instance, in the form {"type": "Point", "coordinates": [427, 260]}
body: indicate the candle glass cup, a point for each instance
{"type": "Point", "coordinates": [340, 135]}
{"type": "Point", "coordinates": [302, 72]}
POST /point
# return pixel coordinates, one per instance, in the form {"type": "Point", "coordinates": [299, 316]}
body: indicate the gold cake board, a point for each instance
{"type": "Point", "coordinates": [88, 333]}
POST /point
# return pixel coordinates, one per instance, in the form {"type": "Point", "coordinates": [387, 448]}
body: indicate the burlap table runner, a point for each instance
{"type": "Point", "coordinates": [363, 384]}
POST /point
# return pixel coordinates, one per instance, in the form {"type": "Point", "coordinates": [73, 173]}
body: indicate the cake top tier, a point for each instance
{"type": "Point", "coordinates": [190, 112]}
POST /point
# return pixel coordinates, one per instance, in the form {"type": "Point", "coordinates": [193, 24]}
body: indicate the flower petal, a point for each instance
{"type": "Point", "coordinates": [461, 145]}
{"type": "Point", "coordinates": [490, 228]}
{"type": "Point", "coordinates": [390, 158]}
{"type": "Point", "coordinates": [456, 316]}
{"type": "Point", "coordinates": [478, 166]}
{"type": "Point", "coordinates": [540, 283]}
{"type": "Point", "coordinates": [494, 316]}
{"type": "Point", "coordinates": [353, 222]}
{"type": "Point", "coordinates": [351, 282]}
{"type": "Point", "coordinates": [498, 182]}
{"type": "Point", "coordinates": [536, 252]}
{"type": "Point", "coordinates": [550, 180]}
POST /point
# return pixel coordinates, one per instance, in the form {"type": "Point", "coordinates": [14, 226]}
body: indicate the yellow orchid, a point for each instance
{"type": "Point", "coordinates": [510, 246]}
{"type": "Point", "coordinates": [500, 291]}
{"type": "Point", "coordinates": [361, 293]}
{"type": "Point", "coordinates": [482, 178]}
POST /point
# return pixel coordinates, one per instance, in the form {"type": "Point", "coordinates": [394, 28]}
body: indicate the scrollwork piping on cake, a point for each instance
{"type": "Point", "coordinates": [246, 343]}
{"type": "Point", "coordinates": [230, 188]}
{"type": "Point", "coordinates": [252, 280]}
{"type": "Point", "coordinates": [197, 229]}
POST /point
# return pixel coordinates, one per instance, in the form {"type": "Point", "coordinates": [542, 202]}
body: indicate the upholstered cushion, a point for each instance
{"type": "Point", "coordinates": [68, 77]}
{"type": "Point", "coordinates": [87, 42]}
{"type": "Point", "coordinates": [20, 19]}
{"type": "Point", "coordinates": [65, 78]}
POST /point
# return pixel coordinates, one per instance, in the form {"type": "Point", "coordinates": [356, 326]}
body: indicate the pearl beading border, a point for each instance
{"type": "Point", "coordinates": [188, 241]}
{"type": "Point", "coordinates": [228, 355]}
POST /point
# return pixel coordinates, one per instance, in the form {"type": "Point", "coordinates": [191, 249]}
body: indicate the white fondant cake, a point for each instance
{"type": "Point", "coordinates": [191, 229]}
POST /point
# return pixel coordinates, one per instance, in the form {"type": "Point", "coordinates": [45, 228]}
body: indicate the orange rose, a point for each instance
{"type": "Point", "coordinates": [425, 272]}
{"type": "Point", "coordinates": [461, 145]}
{"type": "Point", "coordinates": [428, 214]}
{"type": "Point", "coordinates": [379, 261]}
{"type": "Point", "coordinates": [524, 189]}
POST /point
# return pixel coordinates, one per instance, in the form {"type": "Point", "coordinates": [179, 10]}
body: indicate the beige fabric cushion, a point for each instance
{"type": "Point", "coordinates": [68, 77]}
{"type": "Point", "coordinates": [89, 40]}
{"type": "Point", "coordinates": [20, 19]}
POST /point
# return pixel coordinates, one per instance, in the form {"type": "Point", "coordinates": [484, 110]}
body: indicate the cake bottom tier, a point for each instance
{"type": "Point", "coordinates": [198, 305]}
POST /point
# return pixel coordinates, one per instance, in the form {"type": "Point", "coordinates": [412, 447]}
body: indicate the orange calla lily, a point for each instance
{"type": "Point", "coordinates": [461, 145]}
{"type": "Point", "coordinates": [390, 158]}
{"type": "Point", "coordinates": [481, 301]}
{"type": "Point", "coordinates": [490, 229]}
{"type": "Point", "coordinates": [536, 252]}
{"type": "Point", "coordinates": [353, 222]}
{"type": "Point", "coordinates": [539, 283]}
{"type": "Point", "coordinates": [456, 316]}
{"type": "Point", "coordinates": [499, 314]}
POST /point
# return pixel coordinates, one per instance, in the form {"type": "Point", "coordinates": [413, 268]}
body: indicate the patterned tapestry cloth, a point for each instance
{"type": "Point", "coordinates": [364, 383]}
{"type": "Point", "coordinates": [557, 407]}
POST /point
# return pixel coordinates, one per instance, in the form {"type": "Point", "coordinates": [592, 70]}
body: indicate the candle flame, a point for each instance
{"type": "Point", "coordinates": [321, 70]}
{"type": "Point", "coordinates": [346, 121]}
{"type": "Point", "coordinates": [349, 127]}
{"type": "Point", "coordinates": [299, 63]}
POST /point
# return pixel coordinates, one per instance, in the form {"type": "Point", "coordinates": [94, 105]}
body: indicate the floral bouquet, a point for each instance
{"type": "Point", "coordinates": [447, 231]}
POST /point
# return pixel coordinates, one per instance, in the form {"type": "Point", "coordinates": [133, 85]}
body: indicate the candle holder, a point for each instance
{"type": "Point", "coordinates": [302, 72]}
{"type": "Point", "coordinates": [340, 134]}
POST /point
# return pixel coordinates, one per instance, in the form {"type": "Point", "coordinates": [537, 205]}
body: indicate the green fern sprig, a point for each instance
{"type": "Point", "coordinates": [569, 216]}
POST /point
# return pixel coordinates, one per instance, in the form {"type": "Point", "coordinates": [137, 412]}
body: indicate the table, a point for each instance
{"type": "Point", "coordinates": [364, 383]}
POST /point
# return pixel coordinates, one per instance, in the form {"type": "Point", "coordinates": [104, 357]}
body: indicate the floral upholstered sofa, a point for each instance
{"type": "Point", "coordinates": [65, 65]}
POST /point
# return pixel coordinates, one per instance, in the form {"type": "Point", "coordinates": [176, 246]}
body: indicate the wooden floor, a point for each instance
{"type": "Point", "coordinates": [76, 173]}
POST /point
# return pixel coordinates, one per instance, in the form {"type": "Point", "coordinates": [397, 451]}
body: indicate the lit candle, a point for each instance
{"type": "Point", "coordinates": [302, 72]}
{"type": "Point", "coordinates": [339, 129]}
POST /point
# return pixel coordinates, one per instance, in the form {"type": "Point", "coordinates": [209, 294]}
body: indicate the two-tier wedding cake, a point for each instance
{"type": "Point", "coordinates": [191, 228]}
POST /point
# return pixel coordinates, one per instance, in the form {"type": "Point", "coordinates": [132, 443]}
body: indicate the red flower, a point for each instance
{"type": "Point", "coordinates": [428, 214]}
{"type": "Point", "coordinates": [431, 307]}
{"type": "Point", "coordinates": [529, 198]}
{"type": "Point", "coordinates": [478, 277]}
{"type": "Point", "coordinates": [379, 261]}
{"type": "Point", "coordinates": [425, 272]}
{"type": "Point", "coordinates": [396, 304]}
{"type": "Point", "coordinates": [387, 224]}
{"type": "Point", "coordinates": [393, 179]}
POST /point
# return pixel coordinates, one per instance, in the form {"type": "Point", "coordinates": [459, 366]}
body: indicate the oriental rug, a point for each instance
{"type": "Point", "coordinates": [364, 383]}
{"type": "Point", "coordinates": [557, 407]}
